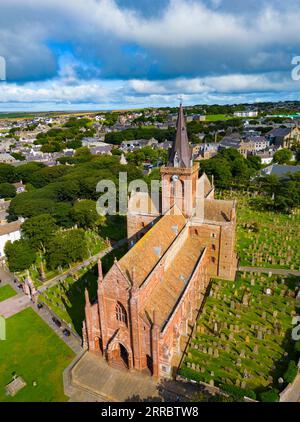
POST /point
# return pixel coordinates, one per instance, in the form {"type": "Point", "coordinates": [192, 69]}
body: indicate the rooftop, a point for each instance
{"type": "Point", "coordinates": [164, 297]}
{"type": "Point", "coordinates": [144, 256]}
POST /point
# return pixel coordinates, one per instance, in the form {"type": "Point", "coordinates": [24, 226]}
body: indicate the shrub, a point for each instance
{"type": "Point", "coordinates": [190, 374]}
{"type": "Point", "coordinates": [297, 346]}
{"type": "Point", "coordinates": [237, 392]}
{"type": "Point", "coordinates": [269, 396]}
{"type": "Point", "coordinates": [291, 372]}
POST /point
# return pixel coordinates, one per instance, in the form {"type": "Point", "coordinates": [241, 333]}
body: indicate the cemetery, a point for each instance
{"type": "Point", "coordinates": [66, 299]}
{"type": "Point", "coordinates": [35, 375]}
{"type": "Point", "coordinates": [264, 238]}
{"type": "Point", "coordinates": [243, 339]}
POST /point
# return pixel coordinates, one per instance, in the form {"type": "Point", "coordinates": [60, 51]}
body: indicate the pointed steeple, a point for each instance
{"type": "Point", "coordinates": [181, 154]}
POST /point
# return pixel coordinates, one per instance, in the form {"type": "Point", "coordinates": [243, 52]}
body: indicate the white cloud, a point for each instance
{"type": "Point", "coordinates": [68, 91]}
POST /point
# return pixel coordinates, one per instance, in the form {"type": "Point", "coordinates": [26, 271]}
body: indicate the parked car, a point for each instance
{"type": "Point", "coordinates": [40, 305]}
{"type": "Point", "coordinates": [56, 322]}
{"type": "Point", "coordinates": [66, 332]}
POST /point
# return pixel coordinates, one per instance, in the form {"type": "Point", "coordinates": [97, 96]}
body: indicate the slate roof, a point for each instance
{"type": "Point", "coordinates": [280, 170]}
{"type": "Point", "coordinates": [181, 153]}
{"type": "Point", "coordinates": [279, 132]}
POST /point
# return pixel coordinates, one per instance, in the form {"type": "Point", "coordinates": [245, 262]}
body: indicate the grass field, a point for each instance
{"type": "Point", "coordinates": [217, 117]}
{"type": "Point", "coordinates": [34, 352]}
{"type": "Point", "coordinates": [243, 337]}
{"type": "Point", "coordinates": [6, 292]}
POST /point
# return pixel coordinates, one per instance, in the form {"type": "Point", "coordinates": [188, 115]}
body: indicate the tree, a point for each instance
{"type": "Point", "coordinates": [85, 215]}
{"type": "Point", "coordinates": [39, 230]}
{"type": "Point", "coordinates": [67, 191]}
{"type": "Point", "coordinates": [7, 173]}
{"type": "Point", "coordinates": [282, 156]}
{"type": "Point", "coordinates": [65, 248]}
{"type": "Point", "coordinates": [18, 156]}
{"type": "Point", "coordinates": [7, 190]}
{"type": "Point", "coordinates": [25, 171]}
{"type": "Point", "coordinates": [20, 255]}
{"type": "Point", "coordinates": [254, 161]}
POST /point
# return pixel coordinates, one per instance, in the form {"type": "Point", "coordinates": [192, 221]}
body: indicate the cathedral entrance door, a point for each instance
{"type": "Point", "coordinates": [124, 355]}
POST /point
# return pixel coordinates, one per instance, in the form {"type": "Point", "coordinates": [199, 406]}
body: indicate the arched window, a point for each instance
{"type": "Point", "coordinates": [121, 313]}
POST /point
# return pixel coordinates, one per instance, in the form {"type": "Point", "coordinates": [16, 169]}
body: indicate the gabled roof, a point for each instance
{"type": "Point", "coordinates": [279, 132]}
{"type": "Point", "coordinates": [181, 153]}
{"type": "Point", "coordinates": [166, 294]}
{"type": "Point", "coordinates": [144, 256]}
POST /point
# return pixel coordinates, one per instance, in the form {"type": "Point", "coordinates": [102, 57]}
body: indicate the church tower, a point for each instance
{"type": "Point", "coordinates": [179, 177]}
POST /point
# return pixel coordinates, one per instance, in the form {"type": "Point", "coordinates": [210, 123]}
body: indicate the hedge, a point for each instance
{"type": "Point", "coordinates": [269, 396]}
{"type": "Point", "coordinates": [291, 372]}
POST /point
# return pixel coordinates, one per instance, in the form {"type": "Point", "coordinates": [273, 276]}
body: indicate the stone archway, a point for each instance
{"type": "Point", "coordinates": [119, 355]}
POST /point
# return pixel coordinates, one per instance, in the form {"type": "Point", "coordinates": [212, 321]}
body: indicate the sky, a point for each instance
{"type": "Point", "coordinates": [116, 54]}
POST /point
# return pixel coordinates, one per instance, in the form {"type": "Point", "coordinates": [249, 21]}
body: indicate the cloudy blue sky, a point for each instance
{"type": "Point", "coordinates": [110, 54]}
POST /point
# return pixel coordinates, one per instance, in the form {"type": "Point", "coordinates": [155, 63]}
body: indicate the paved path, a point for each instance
{"type": "Point", "coordinates": [292, 395]}
{"type": "Point", "coordinates": [271, 270]}
{"type": "Point", "coordinates": [14, 305]}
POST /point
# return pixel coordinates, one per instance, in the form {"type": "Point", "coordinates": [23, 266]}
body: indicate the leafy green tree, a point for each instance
{"type": "Point", "coordinates": [25, 171]}
{"type": "Point", "coordinates": [282, 156]}
{"type": "Point", "coordinates": [18, 156]}
{"type": "Point", "coordinates": [7, 190]}
{"type": "Point", "coordinates": [254, 161]}
{"type": "Point", "coordinates": [7, 173]}
{"type": "Point", "coordinates": [39, 230]}
{"type": "Point", "coordinates": [67, 191]}
{"type": "Point", "coordinates": [20, 255]}
{"type": "Point", "coordinates": [65, 248]}
{"type": "Point", "coordinates": [85, 215]}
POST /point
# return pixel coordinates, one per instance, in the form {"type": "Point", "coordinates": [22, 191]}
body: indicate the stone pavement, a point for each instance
{"type": "Point", "coordinates": [14, 305]}
{"type": "Point", "coordinates": [292, 394]}
{"type": "Point", "coordinates": [94, 376]}
{"type": "Point", "coordinates": [90, 378]}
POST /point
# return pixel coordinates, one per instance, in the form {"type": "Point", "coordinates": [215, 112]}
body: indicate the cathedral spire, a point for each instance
{"type": "Point", "coordinates": [181, 154]}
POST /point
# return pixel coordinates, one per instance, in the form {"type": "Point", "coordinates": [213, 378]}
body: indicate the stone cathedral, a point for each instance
{"type": "Point", "coordinates": [149, 300]}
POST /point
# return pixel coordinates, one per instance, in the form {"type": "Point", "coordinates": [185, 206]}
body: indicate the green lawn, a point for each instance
{"type": "Point", "coordinates": [217, 117]}
{"type": "Point", "coordinates": [6, 292]}
{"type": "Point", "coordinates": [34, 352]}
{"type": "Point", "coordinates": [243, 336]}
